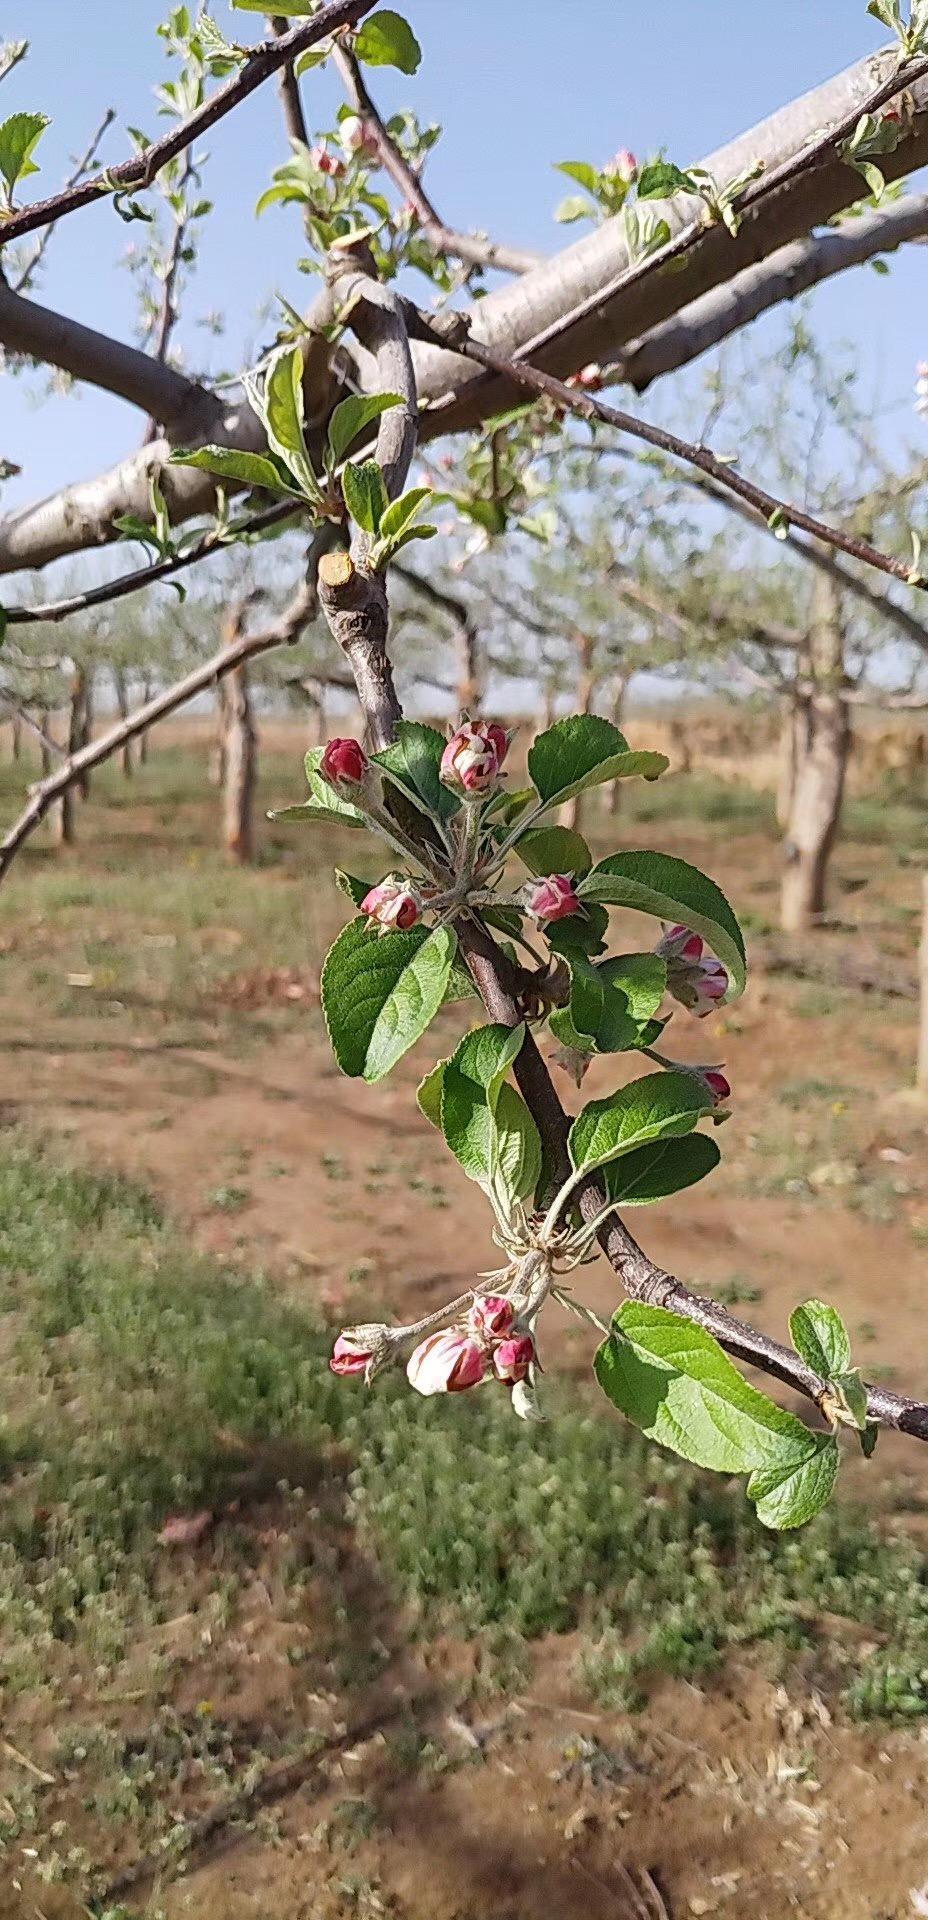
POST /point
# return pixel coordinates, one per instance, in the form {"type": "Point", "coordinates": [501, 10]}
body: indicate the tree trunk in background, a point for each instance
{"type": "Point", "coordinates": [80, 726]}
{"type": "Point", "coordinates": [238, 792]}
{"type": "Point", "coordinates": [122, 706]}
{"type": "Point", "coordinates": [681, 750]}
{"type": "Point", "coordinates": [792, 726]}
{"type": "Point", "coordinates": [586, 688]}
{"type": "Point", "coordinates": [921, 1070]}
{"type": "Point", "coordinates": [618, 703]}
{"type": "Point", "coordinates": [216, 772]}
{"type": "Point", "coordinates": [16, 736]}
{"type": "Point", "coordinates": [143, 737]}
{"type": "Point", "coordinates": [550, 708]}
{"type": "Point", "coordinates": [471, 691]}
{"type": "Point", "coordinates": [319, 724]}
{"type": "Point", "coordinates": [61, 813]}
{"type": "Point", "coordinates": [822, 741]}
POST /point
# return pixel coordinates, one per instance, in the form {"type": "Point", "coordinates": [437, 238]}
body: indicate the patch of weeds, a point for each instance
{"type": "Point", "coordinates": [798, 1094]}
{"type": "Point", "coordinates": [736, 1292]}
{"type": "Point", "coordinates": [228, 1199]}
{"type": "Point", "coordinates": [333, 1166]}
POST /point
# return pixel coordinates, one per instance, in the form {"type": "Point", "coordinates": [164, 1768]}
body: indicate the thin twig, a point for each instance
{"type": "Point", "coordinates": [27, 273]}
{"type": "Point", "coordinates": [261, 62]}
{"type": "Point", "coordinates": [474, 249]}
{"type": "Point", "coordinates": [453, 333]}
{"type": "Point", "coordinates": [282, 632]}
{"type": "Point", "coordinates": [126, 583]}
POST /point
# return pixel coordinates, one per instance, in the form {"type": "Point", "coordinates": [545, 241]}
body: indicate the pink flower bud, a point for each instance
{"type": "Point", "coordinates": [512, 1358]}
{"type": "Point", "coordinates": [324, 161]}
{"type": "Point", "coordinates": [351, 1354]}
{"type": "Point", "coordinates": [590, 376]}
{"type": "Point", "coordinates": [623, 166]}
{"type": "Point", "coordinates": [344, 760]}
{"type": "Point", "coordinates": [356, 136]}
{"type": "Point", "coordinates": [392, 903]}
{"type": "Point", "coordinates": [491, 1315]}
{"type": "Point", "coordinates": [552, 898]}
{"type": "Point", "coordinates": [718, 1085]}
{"type": "Point", "coordinates": [678, 943]}
{"type": "Point", "coordinates": [473, 757]}
{"type": "Point", "coordinates": [446, 1362]}
{"type": "Point", "coordinates": [694, 977]}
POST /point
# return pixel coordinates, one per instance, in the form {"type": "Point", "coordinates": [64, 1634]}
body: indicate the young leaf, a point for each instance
{"type": "Point", "coordinates": [665, 1166]}
{"type": "Point", "coordinates": [365, 494]}
{"type": "Point", "coordinates": [19, 137]}
{"type": "Point", "coordinates": [572, 207]}
{"type": "Point", "coordinates": [428, 1094]}
{"type": "Point", "coordinates": [581, 171]}
{"type": "Point", "coordinates": [280, 407]}
{"type": "Point", "coordinates": [413, 761]}
{"type": "Point", "coordinates": [821, 1338]}
{"type": "Point", "coordinates": [790, 1492]}
{"type": "Point", "coordinates": [653, 1108]}
{"type": "Point", "coordinates": [385, 39]}
{"type": "Point", "coordinates": [349, 884]}
{"type": "Point", "coordinates": [379, 993]}
{"type": "Point", "coordinates": [398, 514]}
{"type": "Point", "coordinates": [294, 9]}
{"type": "Point", "coordinates": [317, 813]}
{"type": "Point", "coordinates": [351, 416]}
{"type": "Point", "coordinates": [633, 988]}
{"type": "Point", "coordinates": [252, 469]}
{"type": "Point", "coordinates": [485, 1121]}
{"type": "Point", "coordinates": [581, 933]}
{"type": "Point", "coordinates": [581, 752]}
{"type": "Point", "coordinates": [660, 884]}
{"type": "Point", "coordinates": [555, 850]}
{"type": "Point", "coordinates": [661, 180]}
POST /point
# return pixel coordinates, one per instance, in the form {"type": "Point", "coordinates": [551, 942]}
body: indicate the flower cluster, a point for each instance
{"type": "Point", "coordinates": [694, 977]}
{"type": "Point", "coordinates": [489, 1344]}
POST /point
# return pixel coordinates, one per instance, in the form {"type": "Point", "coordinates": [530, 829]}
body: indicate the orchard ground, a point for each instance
{"type": "Point", "coordinates": [406, 1659]}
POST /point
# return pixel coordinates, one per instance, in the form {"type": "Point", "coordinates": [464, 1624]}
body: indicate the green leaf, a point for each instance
{"type": "Point", "coordinates": [19, 137]}
{"type": "Point", "coordinates": [582, 172]}
{"type": "Point", "coordinates": [581, 752]}
{"type": "Point", "coordinates": [653, 1108]}
{"type": "Point", "coordinates": [788, 1493]}
{"type": "Point", "coordinates": [428, 1094]}
{"type": "Point", "coordinates": [351, 416]}
{"type": "Point", "coordinates": [661, 180]}
{"type": "Point", "coordinates": [400, 540]}
{"type": "Point", "coordinates": [399, 513]}
{"type": "Point", "coordinates": [665, 1166]}
{"type": "Point", "coordinates": [485, 1121]}
{"type": "Point", "coordinates": [253, 469]}
{"type": "Point", "coordinates": [660, 884]}
{"type": "Point", "coordinates": [280, 407]}
{"type": "Point", "coordinates": [294, 9]}
{"type": "Point", "coordinates": [581, 932]}
{"type": "Point", "coordinates": [316, 813]}
{"type": "Point", "coordinates": [385, 39]}
{"type": "Point", "coordinates": [554, 850]}
{"type": "Point", "coordinates": [313, 57]}
{"type": "Point", "coordinates": [572, 207]}
{"type": "Point", "coordinates": [365, 494]}
{"type": "Point", "coordinates": [413, 761]}
{"type": "Point", "coordinates": [851, 1394]}
{"type": "Point", "coordinates": [349, 884]}
{"type": "Point", "coordinates": [379, 993]}
{"type": "Point", "coordinates": [633, 988]}
{"type": "Point", "coordinates": [821, 1338]}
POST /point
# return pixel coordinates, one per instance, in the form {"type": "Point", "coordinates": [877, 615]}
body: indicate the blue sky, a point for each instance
{"type": "Point", "coordinates": [516, 86]}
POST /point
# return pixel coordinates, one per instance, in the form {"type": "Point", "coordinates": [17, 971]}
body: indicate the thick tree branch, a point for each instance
{"type": "Point", "coordinates": [281, 632]}
{"type": "Point", "coordinates": [40, 334]}
{"type": "Point", "coordinates": [786, 274]}
{"type": "Point", "coordinates": [585, 302]}
{"type": "Point", "coordinates": [474, 249]}
{"type": "Point", "coordinates": [267, 58]}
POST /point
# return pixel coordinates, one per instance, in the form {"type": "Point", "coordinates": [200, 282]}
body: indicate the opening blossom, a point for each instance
{"type": "Point", "coordinates": [623, 166]}
{"type": "Point", "coordinates": [392, 904]}
{"type": "Point", "coordinates": [473, 757]}
{"type": "Point", "coordinates": [694, 977]}
{"type": "Point", "coordinates": [554, 897]}
{"type": "Point", "coordinates": [356, 136]}
{"type": "Point", "coordinates": [447, 1362]}
{"type": "Point", "coordinates": [350, 1354]}
{"type": "Point", "coordinates": [325, 161]}
{"type": "Point", "coordinates": [512, 1358]}
{"type": "Point", "coordinates": [344, 762]}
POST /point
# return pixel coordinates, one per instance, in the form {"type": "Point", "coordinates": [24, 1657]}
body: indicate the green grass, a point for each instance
{"type": "Point", "coordinates": [128, 1357]}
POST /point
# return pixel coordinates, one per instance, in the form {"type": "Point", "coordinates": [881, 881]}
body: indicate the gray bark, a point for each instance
{"type": "Point", "coordinates": [240, 769]}
{"type": "Point", "coordinates": [822, 744]}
